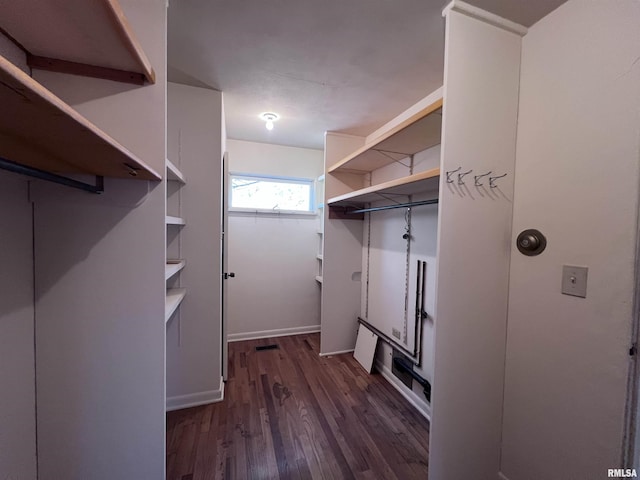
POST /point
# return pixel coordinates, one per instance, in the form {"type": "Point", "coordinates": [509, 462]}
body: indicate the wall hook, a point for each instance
{"type": "Point", "coordinates": [478, 177]}
{"type": "Point", "coordinates": [492, 180]}
{"type": "Point", "coordinates": [461, 176]}
{"type": "Point", "coordinates": [449, 173]}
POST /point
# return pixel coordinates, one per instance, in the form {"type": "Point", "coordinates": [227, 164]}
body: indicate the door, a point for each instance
{"type": "Point", "coordinates": [567, 359]}
{"type": "Point", "coordinates": [225, 264]}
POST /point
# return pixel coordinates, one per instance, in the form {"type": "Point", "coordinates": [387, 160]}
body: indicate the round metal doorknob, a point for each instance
{"type": "Point", "coordinates": [531, 242]}
{"type": "Point", "coordinates": [232, 275]}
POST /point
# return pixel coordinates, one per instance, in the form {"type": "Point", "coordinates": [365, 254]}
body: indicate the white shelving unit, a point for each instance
{"type": "Point", "coordinates": [394, 166]}
{"type": "Point", "coordinates": [320, 209]}
{"type": "Point", "coordinates": [58, 136]}
{"type": "Point", "coordinates": [40, 130]}
{"type": "Point", "coordinates": [173, 267]}
{"type": "Point", "coordinates": [174, 174]}
{"type": "Point", "coordinates": [409, 185]}
{"type": "Point", "coordinates": [97, 39]}
{"type": "Point", "coordinates": [173, 300]}
{"type": "Point", "coordinates": [417, 133]}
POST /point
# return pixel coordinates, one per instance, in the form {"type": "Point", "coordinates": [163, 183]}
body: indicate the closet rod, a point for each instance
{"type": "Point", "coordinates": [389, 207]}
{"type": "Point", "coordinates": [51, 177]}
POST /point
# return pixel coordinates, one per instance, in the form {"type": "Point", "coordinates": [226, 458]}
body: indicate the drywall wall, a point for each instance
{"type": "Point", "coordinates": [100, 287]}
{"type": "Point", "coordinates": [385, 269]}
{"type": "Point", "coordinates": [482, 64]}
{"type": "Point", "coordinates": [17, 356]}
{"type": "Point", "coordinates": [273, 256]}
{"type": "Point", "coordinates": [576, 181]}
{"type": "Point", "coordinates": [194, 126]}
{"type": "Point", "coordinates": [342, 263]}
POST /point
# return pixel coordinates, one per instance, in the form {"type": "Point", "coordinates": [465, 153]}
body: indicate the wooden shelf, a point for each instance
{"type": "Point", "coordinates": [172, 301]}
{"type": "Point", "coordinates": [39, 130]}
{"type": "Point", "coordinates": [419, 132]}
{"type": "Point", "coordinates": [169, 220]}
{"type": "Point", "coordinates": [318, 279]}
{"type": "Point", "coordinates": [172, 267]}
{"type": "Point", "coordinates": [77, 36]}
{"type": "Point", "coordinates": [174, 173]}
{"type": "Point", "coordinates": [319, 257]}
{"type": "Point", "coordinates": [418, 183]}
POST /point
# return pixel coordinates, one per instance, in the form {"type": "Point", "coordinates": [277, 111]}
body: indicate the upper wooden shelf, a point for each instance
{"type": "Point", "coordinates": [417, 183]}
{"type": "Point", "coordinates": [417, 133]}
{"type": "Point", "coordinates": [82, 37]}
{"type": "Point", "coordinates": [39, 130]}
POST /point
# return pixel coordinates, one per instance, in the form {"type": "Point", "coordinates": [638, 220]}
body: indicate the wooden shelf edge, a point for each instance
{"type": "Point", "coordinates": [342, 164]}
{"type": "Point", "coordinates": [172, 301]}
{"type": "Point", "coordinates": [38, 98]}
{"type": "Point", "coordinates": [172, 267]}
{"type": "Point", "coordinates": [133, 45]}
{"type": "Point", "coordinates": [174, 173]}
{"type": "Point", "coordinates": [417, 177]}
{"type": "Point", "coordinates": [318, 278]}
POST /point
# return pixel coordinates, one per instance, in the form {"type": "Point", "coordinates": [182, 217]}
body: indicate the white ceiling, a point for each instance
{"type": "Point", "coordinates": [330, 65]}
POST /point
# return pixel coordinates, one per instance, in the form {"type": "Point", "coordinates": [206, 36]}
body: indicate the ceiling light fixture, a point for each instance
{"type": "Point", "coordinates": [269, 117]}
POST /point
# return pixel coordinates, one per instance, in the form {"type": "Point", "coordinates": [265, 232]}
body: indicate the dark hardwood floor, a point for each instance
{"type": "Point", "coordinates": [290, 414]}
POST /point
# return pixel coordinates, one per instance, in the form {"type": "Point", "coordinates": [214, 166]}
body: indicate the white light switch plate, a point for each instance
{"type": "Point", "coordinates": [574, 280]}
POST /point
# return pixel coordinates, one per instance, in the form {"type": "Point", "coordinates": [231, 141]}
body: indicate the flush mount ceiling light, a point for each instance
{"type": "Point", "coordinates": [269, 117]}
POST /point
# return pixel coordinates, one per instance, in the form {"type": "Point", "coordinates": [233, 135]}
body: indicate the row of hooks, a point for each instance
{"type": "Point", "coordinates": [476, 178]}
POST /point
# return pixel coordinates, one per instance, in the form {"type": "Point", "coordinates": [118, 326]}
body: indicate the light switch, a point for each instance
{"type": "Point", "coordinates": [574, 281]}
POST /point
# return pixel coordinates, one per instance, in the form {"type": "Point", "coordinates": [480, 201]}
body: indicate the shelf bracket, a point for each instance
{"type": "Point", "coordinates": [52, 177]}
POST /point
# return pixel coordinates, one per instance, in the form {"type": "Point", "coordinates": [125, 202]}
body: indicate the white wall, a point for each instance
{"type": "Point", "coordinates": [273, 256]}
{"type": "Point", "coordinates": [17, 354]}
{"type": "Point", "coordinates": [17, 360]}
{"type": "Point", "coordinates": [100, 287]}
{"type": "Point", "coordinates": [193, 336]}
{"type": "Point", "coordinates": [342, 265]}
{"type": "Point", "coordinates": [577, 181]}
{"type": "Point", "coordinates": [482, 66]}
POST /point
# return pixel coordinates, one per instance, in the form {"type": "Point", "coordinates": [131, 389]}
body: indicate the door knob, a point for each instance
{"type": "Point", "coordinates": [229, 275]}
{"type": "Point", "coordinates": [531, 242]}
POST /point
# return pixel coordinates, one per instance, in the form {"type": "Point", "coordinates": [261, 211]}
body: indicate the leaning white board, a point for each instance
{"type": "Point", "coordinates": [365, 347]}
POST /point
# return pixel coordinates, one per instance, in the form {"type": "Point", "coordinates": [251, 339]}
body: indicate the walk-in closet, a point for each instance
{"type": "Point", "coordinates": [339, 240]}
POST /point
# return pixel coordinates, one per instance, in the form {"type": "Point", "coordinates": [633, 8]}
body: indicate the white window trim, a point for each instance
{"type": "Point", "coordinates": [272, 212]}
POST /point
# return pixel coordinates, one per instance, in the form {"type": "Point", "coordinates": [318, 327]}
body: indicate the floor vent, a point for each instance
{"type": "Point", "coordinates": [273, 346]}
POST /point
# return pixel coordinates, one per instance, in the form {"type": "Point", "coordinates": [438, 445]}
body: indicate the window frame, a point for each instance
{"type": "Point", "coordinates": [275, 179]}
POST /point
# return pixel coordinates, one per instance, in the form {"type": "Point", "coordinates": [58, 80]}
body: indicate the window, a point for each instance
{"type": "Point", "coordinates": [271, 194]}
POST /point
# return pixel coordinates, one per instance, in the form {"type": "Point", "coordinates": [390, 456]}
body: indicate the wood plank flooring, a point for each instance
{"type": "Point", "coordinates": [290, 414]}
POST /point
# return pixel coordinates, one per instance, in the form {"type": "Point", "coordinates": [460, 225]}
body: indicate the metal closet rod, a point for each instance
{"type": "Point", "coordinates": [390, 207]}
{"type": "Point", "coordinates": [51, 177]}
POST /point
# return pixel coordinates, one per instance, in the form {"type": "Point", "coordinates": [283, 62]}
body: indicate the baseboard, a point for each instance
{"type": "Point", "coordinates": [196, 399]}
{"type": "Point", "coordinates": [337, 353]}
{"type": "Point", "coordinates": [410, 395]}
{"type": "Point", "coordinates": [280, 332]}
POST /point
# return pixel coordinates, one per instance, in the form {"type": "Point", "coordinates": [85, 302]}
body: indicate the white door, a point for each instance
{"type": "Point", "coordinates": [226, 275]}
{"type": "Point", "coordinates": [577, 169]}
